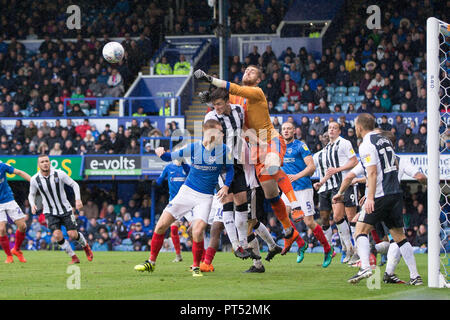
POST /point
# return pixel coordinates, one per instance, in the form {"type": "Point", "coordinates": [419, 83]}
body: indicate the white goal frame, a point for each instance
{"type": "Point", "coordinates": [435, 278]}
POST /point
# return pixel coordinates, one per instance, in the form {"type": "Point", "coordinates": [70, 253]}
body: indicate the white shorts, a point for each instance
{"type": "Point", "coordinates": [216, 213]}
{"type": "Point", "coordinates": [305, 198]}
{"type": "Point", "coordinates": [12, 210]}
{"type": "Point", "coordinates": [188, 199]}
{"type": "Point", "coordinates": [188, 216]}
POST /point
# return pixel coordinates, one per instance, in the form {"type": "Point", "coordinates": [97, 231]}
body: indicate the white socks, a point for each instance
{"type": "Point", "coordinates": [254, 244]}
{"type": "Point", "coordinates": [363, 247]}
{"type": "Point", "coordinates": [230, 227]}
{"type": "Point", "coordinates": [81, 240]}
{"type": "Point", "coordinates": [393, 258]}
{"type": "Point", "coordinates": [261, 230]}
{"type": "Point", "coordinates": [344, 234]}
{"type": "Point", "coordinates": [328, 233]}
{"type": "Point", "coordinates": [241, 219]}
{"type": "Point", "coordinates": [407, 253]}
{"type": "Point", "coordinates": [67, 248]}
{"type": "Point", "coordinates": [382, 247]}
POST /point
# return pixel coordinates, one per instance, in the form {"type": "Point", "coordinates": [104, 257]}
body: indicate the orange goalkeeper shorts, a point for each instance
{"type": "Point", "coordinates": [276, 145]}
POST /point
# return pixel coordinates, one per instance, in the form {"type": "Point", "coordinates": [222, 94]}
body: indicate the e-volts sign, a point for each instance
{"type": "Point", "coordinates": [112, 165]}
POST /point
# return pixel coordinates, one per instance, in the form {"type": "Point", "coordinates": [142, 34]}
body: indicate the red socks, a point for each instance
{"type": "Point", "coordinates": [210, 253]}
{"type": "Point", "coordinates": [299, 240]}
{"type": "Point", "coordinates": [318, 233]}
{"type": "Point", "coordinates": [203, 255]}
{"type": "Point", "coordinates": [4, 242]}
{"type": "Point", "coordinates": [155, 246]}
{"type": "Point", "coordinates": [375, 236]}
{"type": "Point", "coordinates": [19, 239]}
{"type": "Point", "coordinates": [197, 250]}
{"type": "Point", "coordinates": [175, 238]}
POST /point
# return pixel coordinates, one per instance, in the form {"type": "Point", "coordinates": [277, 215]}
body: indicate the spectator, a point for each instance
{"type": "Point", "coordinates": [323, 107]}
{"type": "Point", "coordinates": [320, 93]}
{"type": "Point", "coordinates": [422, 237]}
{"type": "Point", "coordinates": [133, 148]}
{"type": "Point", "coordinates": [82, 129]}
{"type": "Point", "coordinates": [91, 210]}
{"type": "Point", "coordinates": [307, 94]}
{"type": "Point", "coordinates": [385, 101]}
{"type": "Point", "coordinates": [56, 150]}
{"type": "Point", "coordinates": [163, 67]}
{"type": "Point", "coordinates": [120, 228]}
{"type": "Point", "coordinates": [115, 83]}
{"type": "Point", "coordinates": [76, 111]}
{"type": "Point", "coordinates": [182, 66]}
{"type": "Point", "coordinates": [317, 125]}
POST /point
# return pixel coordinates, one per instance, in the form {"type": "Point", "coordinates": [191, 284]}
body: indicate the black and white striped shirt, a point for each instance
{"type": "Point", "coordinates": [232, 126]}
{"type": "Point", "coordinates": [376, 150]}
{"type": "Point", "coordinates": [51, 189]}
{"type": "Point", "coordinates": [334, 155]}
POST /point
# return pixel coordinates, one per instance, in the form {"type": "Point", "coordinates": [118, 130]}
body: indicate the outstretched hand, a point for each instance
{"type": "Point", "coordinates": [201, 75]}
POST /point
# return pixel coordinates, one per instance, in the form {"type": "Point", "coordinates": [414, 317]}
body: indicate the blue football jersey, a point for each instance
{"type": "Point", "coordinates": [176, 176]}
{"type": "Point", "coordinates": [6, 194]}
{"type": "Point", "coordinates": [206, 165]}
{"type": "Point", "coordinates": [294, 163]}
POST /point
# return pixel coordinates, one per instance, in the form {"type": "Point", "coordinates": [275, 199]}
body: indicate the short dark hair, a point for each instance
{"type": "Point", "coordinates": [366, 120]}
{"type": "Point", "coordinates": [210, 124]}
{"type": "Point", "coordinates": [219, 93]}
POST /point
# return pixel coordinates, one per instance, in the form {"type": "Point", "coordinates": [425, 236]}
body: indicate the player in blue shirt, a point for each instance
{"type": "Point", "coordinates": [299, 165]}
{"type": "Point", "coordinates": [209, 158]}
{"type": "Point", "coordinates": [175, 173]}
{"type": "Point", "coordinates": [10, 208]}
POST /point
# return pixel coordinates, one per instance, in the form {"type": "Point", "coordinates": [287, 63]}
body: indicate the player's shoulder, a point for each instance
{"type": "Point", "coordinates": [33, 177]}
{"type": "Point", "coordinates": [236, 106]}
{"type": "Point", "coordinates": [210, 115]}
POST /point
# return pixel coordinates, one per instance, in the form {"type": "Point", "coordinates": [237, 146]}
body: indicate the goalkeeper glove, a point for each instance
{"type": "Point", "coordinates": [201, 75]}
{"type": "Point", "coordinates": [204, 97]}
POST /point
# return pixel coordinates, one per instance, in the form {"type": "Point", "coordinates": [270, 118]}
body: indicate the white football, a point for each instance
{"type": "Point", "coordinates": [113, 52]}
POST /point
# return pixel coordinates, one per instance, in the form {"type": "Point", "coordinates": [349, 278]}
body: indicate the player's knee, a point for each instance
{"type": "Point", "coordinates": [2, 230]}
{"type": "Point", "coordinates": [272, 163]}
{"type": "Point", "coordinates": [229, 206]}
{"type": "Point", "coordinates": [274, 199]}
{"type": "Point", "coordinates": [73, 234]}
{"type": "Point", "coordinates": [242, 207]}
{"type": "Point", "coordinates": [21, 225]}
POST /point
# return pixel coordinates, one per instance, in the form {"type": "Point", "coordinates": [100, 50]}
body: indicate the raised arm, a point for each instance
{"type": "Point", "coordinates": [248, 92]}
{"type": "Point", "coordinates": [22, 174]}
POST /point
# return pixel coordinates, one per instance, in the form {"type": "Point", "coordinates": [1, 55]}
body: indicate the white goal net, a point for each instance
{"type": "Point", "coordinates": [438, 149]}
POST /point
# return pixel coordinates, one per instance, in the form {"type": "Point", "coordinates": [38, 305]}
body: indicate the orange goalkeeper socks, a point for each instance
{"type": "Point", "coordinates": [279, 208]}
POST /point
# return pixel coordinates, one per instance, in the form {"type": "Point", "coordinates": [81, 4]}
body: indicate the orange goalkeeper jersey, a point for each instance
{"type": "Point", "coordinates": [257, 115]}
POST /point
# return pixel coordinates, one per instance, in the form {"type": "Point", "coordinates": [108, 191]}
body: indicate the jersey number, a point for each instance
{"type": "Point", "coordinates": [389, 166]}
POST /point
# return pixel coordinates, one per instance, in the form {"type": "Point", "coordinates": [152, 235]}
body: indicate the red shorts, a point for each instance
{"type": "Point", "coordinates": [276, 145]}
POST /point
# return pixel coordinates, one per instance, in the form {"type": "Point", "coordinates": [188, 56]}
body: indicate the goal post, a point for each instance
{"type": "Point", "coordinates": [437, 54]}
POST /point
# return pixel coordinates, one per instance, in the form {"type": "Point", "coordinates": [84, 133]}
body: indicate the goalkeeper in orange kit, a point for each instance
{"type": "Point", "coordinates": [267, 147]}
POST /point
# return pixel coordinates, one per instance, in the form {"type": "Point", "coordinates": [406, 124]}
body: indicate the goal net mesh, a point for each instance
{"type": "Point", "coordinates": [444, 131]}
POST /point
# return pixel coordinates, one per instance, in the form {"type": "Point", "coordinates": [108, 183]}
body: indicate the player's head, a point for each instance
{"type": "Point", "coordinates": [212, 132]}
{"type": "Point", "coordinates": [44, 163]}
{"type": "Point", "coordinates": [252, 76]}
{"type": "Point", "coordinates": [365, 122]}
{"type": "Point", "coordinates": [386, 134]}
{"type": "Point", "coordinates": [288, 131]}
{"type": "Point", "coordinates": [220, 100]}
{"type": "Point", "coordinates": [334, 130]}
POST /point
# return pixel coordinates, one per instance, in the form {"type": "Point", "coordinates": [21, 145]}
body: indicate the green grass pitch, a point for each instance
{"type": "Point", "coordinates": [111, 276]}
